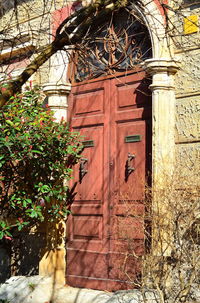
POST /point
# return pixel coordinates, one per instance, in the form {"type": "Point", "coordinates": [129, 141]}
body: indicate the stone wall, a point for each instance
{"type": "Point", "coordinates": [33, 18]}
{"type": "Point", "coordinates": [187, 83]}
{"type": "Point", "coordinates": [5, 261]}
{"type": "Point", "coordinates": [27, 249]}
{"type": "Point", "coordinates": [21, 255]}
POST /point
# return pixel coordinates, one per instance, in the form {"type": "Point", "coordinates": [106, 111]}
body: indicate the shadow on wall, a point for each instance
{"type": "Point", "coordinates": [194, 4]}
{"type": "Point", "coordinates": [5, 261]}
{"type": "Point", "coordinates": [21, 256]}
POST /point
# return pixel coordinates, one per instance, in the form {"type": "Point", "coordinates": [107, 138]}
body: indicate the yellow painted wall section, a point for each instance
{"type": "Point", "coordinates": [191, 24]}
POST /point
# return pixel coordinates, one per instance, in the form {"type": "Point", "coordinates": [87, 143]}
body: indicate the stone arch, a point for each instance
{"type": "Point", "coordinates": [154, 18]}
{"type": "Point", "coordinates": [162, 66]}
{"type": "Point", "coordinates": [118, 45]}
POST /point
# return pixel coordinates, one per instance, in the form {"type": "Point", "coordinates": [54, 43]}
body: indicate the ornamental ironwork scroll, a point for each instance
{"type": "Point", "coordinates": [116, 46]}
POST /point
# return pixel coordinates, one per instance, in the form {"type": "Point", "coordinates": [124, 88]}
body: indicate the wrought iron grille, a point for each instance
{"type": "Point", "coordinates": [117, 46]}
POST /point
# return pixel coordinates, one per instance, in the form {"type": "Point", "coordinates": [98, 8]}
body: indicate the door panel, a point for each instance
{"type": "Point", "coordinates": [90, 187]}
{"type": "Point", "coordinates": [106, 228]}
{"type": "Point", "coordinates": [89, 102]}
{"type": "Point", "coordinates": [131, 109]}
{"type": "Point", "coordinates": [87, 246]}
{"type": "Point", "coordinates": [130, 158]}
{"type": "Point", "coordinates": [92, 264]}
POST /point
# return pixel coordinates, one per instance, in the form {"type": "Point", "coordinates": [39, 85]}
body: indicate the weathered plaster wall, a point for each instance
{"type": "Point", "coordinates": [188, 78]}
{"type": "Point", "coordinates": [188, 119]}
{"type": "Point", "coordinates": [35, 18]}
{"type": "Point", "coordinates": [22, 255]}
{"type": "Point", "coordinates": [27, 249]}
{"type": "Point", "coordinates": [188, 164]}
{"type": "Point", "coordinates": [187, 83]}
{"type": "Point", "coordinates": [27, 9]}
{"type": "Point", "coordinates": [5, 260]}
{"type": "Point", "coordinates": [180, 12]}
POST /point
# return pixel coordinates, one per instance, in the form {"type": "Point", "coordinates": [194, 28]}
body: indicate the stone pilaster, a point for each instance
{"type": "Point", "coordinates": [53, 262]}
{"type": "Point", "coordinates": [163, 149]}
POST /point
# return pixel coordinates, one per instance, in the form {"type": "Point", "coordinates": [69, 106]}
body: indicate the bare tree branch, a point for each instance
{"type": "Point", "coordinates": [87, 18]}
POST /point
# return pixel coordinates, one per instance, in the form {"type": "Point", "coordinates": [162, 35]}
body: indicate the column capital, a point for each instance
{"type": "Point", "coordinates": [162, 71]}
{"type": "Point", "coordinates": [56, 89]}
{"type": "Point", "coordinates": [57, 94]}
{"type": "Point", "coordinates": [161, 65]}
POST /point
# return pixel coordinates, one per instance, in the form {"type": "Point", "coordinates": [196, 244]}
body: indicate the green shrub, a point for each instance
{"type": "Point", "coordinates": [36, 159]}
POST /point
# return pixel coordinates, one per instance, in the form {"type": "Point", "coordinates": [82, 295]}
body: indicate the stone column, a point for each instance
{"type": "Point", "coordinates": [163, 149]}
{"type": "Point", "coordinates": [57, 98]}
{"type": "Point", "coordinates": [53, 261]}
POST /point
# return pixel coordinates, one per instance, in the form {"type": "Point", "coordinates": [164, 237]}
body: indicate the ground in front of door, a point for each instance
{"type": "Point", "coordinates": [37, 289]}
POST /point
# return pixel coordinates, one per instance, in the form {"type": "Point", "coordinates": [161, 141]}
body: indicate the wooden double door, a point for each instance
{"type": "Point", "coordinates": [106, 227]}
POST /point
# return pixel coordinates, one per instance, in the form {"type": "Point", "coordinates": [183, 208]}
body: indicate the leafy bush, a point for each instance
{"type": "Point", "coordinates": [36, 159]}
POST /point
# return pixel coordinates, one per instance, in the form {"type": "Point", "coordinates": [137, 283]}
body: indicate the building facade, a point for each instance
{"type": "Point", "coordinates": [159, 118]}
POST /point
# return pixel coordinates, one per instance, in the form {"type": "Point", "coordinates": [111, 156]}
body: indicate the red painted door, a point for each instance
{"type": "Point", "coordinates": [106, 228]}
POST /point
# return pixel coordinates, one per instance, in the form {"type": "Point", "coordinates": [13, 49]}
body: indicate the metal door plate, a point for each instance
{"type": "Point", "coordinates": [132, 138]}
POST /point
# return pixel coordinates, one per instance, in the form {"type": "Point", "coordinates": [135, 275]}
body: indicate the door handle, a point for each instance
{"type": "Point", "coordinates": [128, 167]}
{"type": "Point", "coordinates": [82, 169]}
